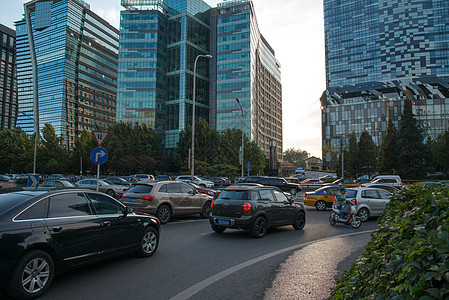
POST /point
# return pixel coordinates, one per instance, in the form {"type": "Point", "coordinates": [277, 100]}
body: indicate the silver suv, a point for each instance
{"type": "Point", "coordinates": [370, 201]}
{"type": "Point", "coordinates": [198, 180]}
{"type": "Point", "coordinates": [165, 199]}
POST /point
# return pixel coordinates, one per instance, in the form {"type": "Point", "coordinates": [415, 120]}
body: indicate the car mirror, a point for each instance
{"type": "Point", "coordinates": [127, 210]}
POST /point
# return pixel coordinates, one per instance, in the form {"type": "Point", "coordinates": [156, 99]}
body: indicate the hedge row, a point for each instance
{"type": "Point", "coordinates": [407, 257]}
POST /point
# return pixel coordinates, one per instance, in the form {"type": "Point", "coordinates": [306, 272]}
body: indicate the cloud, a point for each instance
{"type": "Point", "coordinates": [110, 14]}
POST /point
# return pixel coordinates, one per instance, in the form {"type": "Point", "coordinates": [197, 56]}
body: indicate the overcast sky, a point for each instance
{"type": "Point", "coordinates": [294, 29]}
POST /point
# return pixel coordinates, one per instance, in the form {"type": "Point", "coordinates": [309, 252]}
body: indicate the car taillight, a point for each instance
{"type": "Point", "coordinates": [354, 201]}
{"type": "Point", "coordinates": [148, 198]}
{"type": "Point", "coordinates": [246, 208]}
{"type": "Point", "coordinates": [307, 196]}
{"type": "Point", "coordinates": [211, 205]}
{"type": "Point", "coordinates": [123, 195]}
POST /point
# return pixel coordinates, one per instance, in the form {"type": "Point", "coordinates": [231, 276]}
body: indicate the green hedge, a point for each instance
{"type": "Point", "coordinates": [407, 257]}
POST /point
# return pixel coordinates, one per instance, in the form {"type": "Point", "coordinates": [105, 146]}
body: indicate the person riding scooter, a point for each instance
{"type": "Point", "coordinates": [340, 201]}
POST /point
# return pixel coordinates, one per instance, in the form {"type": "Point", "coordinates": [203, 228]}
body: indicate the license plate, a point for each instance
{"type": "Point", "coordinates": [132, 200]}
{"type": "Point", "coordinates": [223, 222]}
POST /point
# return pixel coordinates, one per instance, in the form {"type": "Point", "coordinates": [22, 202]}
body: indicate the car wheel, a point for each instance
{"type": "Point", "coordinates": [356, 222]}
{"type": "Point", "coordinates": [110, 193]}
{"type": "Point", "coordinates": [218, 229]}
{"type": "Point", "coordinates": [293, 191]}
{"type": "Point", "coordinates": [363, 214]}
{"type": "Point", "coordinates": [320, 205]}
{"type": "Point", "coordinates": [206, 210]}
{"type": "Point", "coordinates": [300, 221]}
{"type": "Point", "coordinates": [148, 242]}
{"type": "Point", "coordinates": [32, 275]}
{"type": "Point", "coordinates": [202, 185]}
{"type": "Point", "coordinates": [163, 214]}
{"type": "Point", "coordinates": [259, 227]}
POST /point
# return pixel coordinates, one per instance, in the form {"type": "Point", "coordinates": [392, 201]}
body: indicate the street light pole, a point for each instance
{"type": "Point", "coordinates": [192, 166]}
{"type": "Point", "coordinates": [241, 108]}
{"type": "Point", "coordinates": [36, 133]}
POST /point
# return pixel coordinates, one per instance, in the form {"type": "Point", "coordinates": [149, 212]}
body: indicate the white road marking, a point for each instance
{"type": "Point", "coordinates": [186, 294]}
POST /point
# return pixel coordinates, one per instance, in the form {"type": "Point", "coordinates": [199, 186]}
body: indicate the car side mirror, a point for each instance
{"type": "Point", "coordinates": [127, 210]}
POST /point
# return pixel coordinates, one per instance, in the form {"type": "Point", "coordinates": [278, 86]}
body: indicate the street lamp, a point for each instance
{"type": "Point", "coordinates": [238, 101]}
{"type": "Point", "coordinates": [36, 133]}
{"type": "Point", "coordinates": [192, 168]}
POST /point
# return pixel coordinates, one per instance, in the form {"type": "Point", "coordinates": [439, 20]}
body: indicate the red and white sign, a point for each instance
{"type": "Point", "coordinates": [100, 136]}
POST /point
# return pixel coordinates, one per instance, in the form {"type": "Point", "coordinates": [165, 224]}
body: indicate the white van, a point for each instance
{"type": "Point", "coordinates": [394, 180]}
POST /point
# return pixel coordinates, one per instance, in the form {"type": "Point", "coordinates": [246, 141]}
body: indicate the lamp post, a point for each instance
{"type": "Point", "coordinates": [192, 168]}
{"type": "Point", "coordinates": [238, 101]}
{"type": "Point", "coordinates": [36, 133]}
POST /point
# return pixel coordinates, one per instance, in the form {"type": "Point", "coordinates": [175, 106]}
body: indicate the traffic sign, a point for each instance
{"type": "Point", "coordinates": [99, 155]}
{"type": "Point", "coordinates": [33, 180]}
{"type": "Point", "coordinates": [100, 136]}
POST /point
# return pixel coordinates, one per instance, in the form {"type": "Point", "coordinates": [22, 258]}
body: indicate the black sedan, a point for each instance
{"type": "Point", "coordinates": [45, 233]}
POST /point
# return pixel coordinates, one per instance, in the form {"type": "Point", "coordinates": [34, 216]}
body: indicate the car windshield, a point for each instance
{"type": "Point", "coordinates": [68, 184]}
{"type": "Point", "coordinates": [194, 185]}
{"type": "Point", "coordinates": [140, 189]}
{"type": "Point", "coordinates": [351, 193]}
{"type": "Point", "coordinates": [233, 195]}
{"type": "Point", "coordinates": [9, 201]}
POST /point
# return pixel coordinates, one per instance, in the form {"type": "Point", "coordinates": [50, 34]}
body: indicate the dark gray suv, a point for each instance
{"type": "Point", "coordinates": [255, 208]}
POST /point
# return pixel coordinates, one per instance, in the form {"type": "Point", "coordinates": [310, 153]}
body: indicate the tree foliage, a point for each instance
{"type": "Point", "coordinates": [389, 155]}
{"type": "Point", "coordinates": [352, 164]}
{"type": "Point", "coordinates": [296, 157]}
{"type": "Point", "coordinates": [367, 156]}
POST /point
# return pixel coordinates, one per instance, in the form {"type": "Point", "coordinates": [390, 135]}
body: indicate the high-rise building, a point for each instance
{"type": "Point", "coordinates": [8, 78]}
{"type": "Point", "coordinates": [159, 42]}
{"type": "Point", "coordinates": [378, 54]}
{"type": "Point", "coordinates": [67, 60]}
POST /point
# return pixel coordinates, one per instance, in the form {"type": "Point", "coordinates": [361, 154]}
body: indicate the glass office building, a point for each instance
{"type": "Point", "coordinates": [8, 78]}
{"type": "Point", "coordinates": [68, 69]}
{"type": "Point", "coordinates": [160, 93]}
{"type": "Point", "coordinates": [378, 54]}
{"type": "Point", "coordinates": [159, 41]}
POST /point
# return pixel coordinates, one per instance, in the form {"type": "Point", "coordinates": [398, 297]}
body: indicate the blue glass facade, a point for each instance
{"type": "Point", "coordinates": [8, 78]}
{"type": "Point", "coordinates": [379, 53]}
{"type": "Point", "coordinates": [76, 55]}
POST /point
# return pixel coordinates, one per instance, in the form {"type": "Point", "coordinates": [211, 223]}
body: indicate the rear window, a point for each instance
{"type": "Point", "coordinates": [140, 189]}
{"type": "Point", "coordinates": [9, 201]}
{"type": "Point", "coordinates": [234, 195]}
{"type": "Point", "coordinates": [351, 194]}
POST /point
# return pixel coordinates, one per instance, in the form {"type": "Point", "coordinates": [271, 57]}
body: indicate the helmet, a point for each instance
{"type": "Point", "coordinates": [342, 190]}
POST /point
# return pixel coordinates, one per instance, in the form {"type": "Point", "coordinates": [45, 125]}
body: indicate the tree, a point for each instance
{"type": "Point", "coordinates": [54, 156]}
{"type": "Point", "coordinates": [296, 157]}
{"type": "Point", "coordinates": [16, 151]}
{"type": "Point", "coordinates": [388, 155]}
{"type": "Point", "coordinates": [412, 151]}
{"type": "Point", "coordinates": [352, 159]}
{"type": "Point", "coordinates": [367, 156]}
{"type": "Point", "coordinates": [80, 155]}
{"type": "Point", "coordinates": [441, 151]}
{"type": "Point", "coordinates": [330, 153]}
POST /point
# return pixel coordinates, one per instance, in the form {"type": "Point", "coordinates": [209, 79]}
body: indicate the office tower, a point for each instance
{"type": "Point", "coordinates": [378, 54]}
{"type": "Point", "coordinates": [159, 42]}
{"type": "Point", "coordinates": [8, 78]}
{"type": "Point", "coordinates": [68, 69]}
{"type": "Point", "coordinates": [247, 69]}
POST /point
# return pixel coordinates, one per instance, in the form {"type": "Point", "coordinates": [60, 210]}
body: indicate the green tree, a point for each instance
{"type": "Point", "coordinates": [16, 151]}
{"type": "Point", "coordinates": [54, 156]}
{"type": "Point", "coordinates": [367, 154]}
{"type": "Point", "coordinates": [441, 151]}
{"type": "Point", "coordinates": [80, 154]}
{"type": "Point", "coordinates": [352, 159]}
{"type": "Point", "coordinates": [330, 153]}
{"type": "Point", "coordinates": [388, 155]}
{"type": "Point", "coordinates": [296, 157]}
{"type": "Point", "coordinates": [412, 150]}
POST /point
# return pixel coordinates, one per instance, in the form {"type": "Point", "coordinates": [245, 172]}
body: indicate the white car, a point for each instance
{"type": "Point", "coordinates": [198, 180]}
{"type": "Point", "coordinates": [394, 180]}
{"type": "Point", "coordinates": [370, 201]}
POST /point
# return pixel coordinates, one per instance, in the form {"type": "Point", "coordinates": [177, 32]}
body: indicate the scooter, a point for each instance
{"type": "Point", "coordinates": [352, 218]}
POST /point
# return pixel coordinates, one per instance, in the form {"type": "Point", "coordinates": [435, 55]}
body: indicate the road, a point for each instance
{"type": "Point", "coordinates": [193, 262]}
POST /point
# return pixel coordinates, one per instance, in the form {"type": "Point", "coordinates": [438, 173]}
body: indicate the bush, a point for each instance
{"type": "Point", "coordinates": [407, 257]}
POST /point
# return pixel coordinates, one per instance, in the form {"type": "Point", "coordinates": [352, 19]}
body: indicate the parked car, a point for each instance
{"type": "Point", "coordinates": [394, 180]}
{"type": "Point", "coordinates": [45, 233]}
{"type": "Point", "coordinates": [430, 183]}
{"type": "Point", "coordinates": [6, 178]}
{"type": "Point", "coordinates": [321, 198]}
{"type": "Point", "coordinates": [143, 177]}
{"type": "Point", "coordinates": [253, 179]}
{"type": "Point", "coordinates": [58, 184]}
{"type": "Point", "coordinates": [343, 182]}
{"type": "Point", "coordinates": [130, 179]}
{"type": "Point", "coordinates": [390, 188]}
{"type": "Point", "coordinates": [198, 180]}
{"type": "Point", "coordinates": [104, 186]}
{"type": "Point", "coordinates": [282, 184]}
{"type": "Point", "coordinates": [255, 208]}
{"type": "Point", "coordinates": [203, 190]}
{"type": "Point", "coordinates": [163, 177]}
{"type": "Point", "coordinates": [165, 199]}
{"type": "Point", "coordinates": [370, 201]}
{"type": "Point", "coordinates": [57, 177]}
{"type": "Point", "coordinates": [118, 180]}
{"type": "Point", "coordinates": [312, 183]}
{"type": "Point", "coordinates": [294, 180]}
{"type": "Point", "coordinates": [220, 181]}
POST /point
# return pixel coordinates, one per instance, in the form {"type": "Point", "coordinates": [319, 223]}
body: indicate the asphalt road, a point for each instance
{"type": "Point", "coordinates": [193, 262]}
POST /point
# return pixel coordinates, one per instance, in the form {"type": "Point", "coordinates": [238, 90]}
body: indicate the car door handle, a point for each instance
{"type": "Point", "coordinates": [57, 229]}
{"type": "Point", "coordinates": [106, 223]}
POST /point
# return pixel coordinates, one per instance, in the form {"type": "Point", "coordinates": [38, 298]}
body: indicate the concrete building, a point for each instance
{"type": "Point", "coordinates": [378, 54]}
{"type": "Point", "coordinates": [67, 60]}
{"type": "Point", "coordinates": [8, 78]}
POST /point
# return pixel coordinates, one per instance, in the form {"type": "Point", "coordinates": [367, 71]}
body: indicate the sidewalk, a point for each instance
{"type": "Point", "coordinates": [310, 272]}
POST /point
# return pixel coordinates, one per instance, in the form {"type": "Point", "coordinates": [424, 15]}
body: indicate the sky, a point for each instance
{"type": "Point", "coordinates": [294, 29]}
